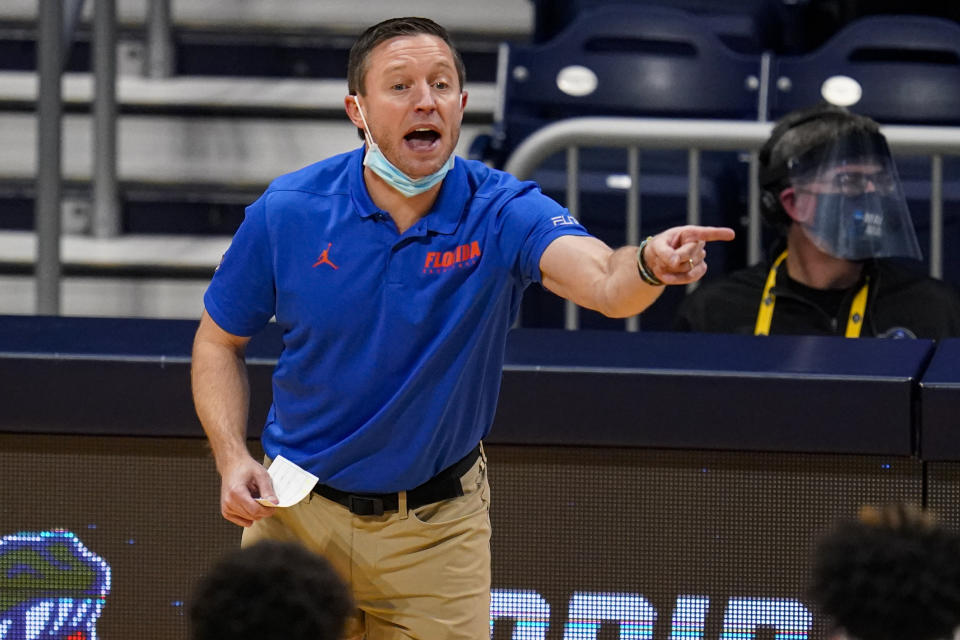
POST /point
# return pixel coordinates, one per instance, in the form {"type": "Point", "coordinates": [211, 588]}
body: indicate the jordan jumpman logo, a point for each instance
{"type": "Point", "coordinates": [325, 257]}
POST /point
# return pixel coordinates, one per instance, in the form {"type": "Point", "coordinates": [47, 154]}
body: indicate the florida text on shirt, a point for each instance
{"type": "Point", "coordinates": [462, 256]}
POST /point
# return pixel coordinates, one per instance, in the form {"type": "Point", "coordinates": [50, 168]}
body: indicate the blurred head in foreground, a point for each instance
{"type": "Point", "coordinates": [894, 574]}
{"type": "Point", "coordinates": [270, 591]}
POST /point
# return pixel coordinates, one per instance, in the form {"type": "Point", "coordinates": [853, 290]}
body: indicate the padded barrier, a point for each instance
{"type": "Point", "coordinates": [588, 388]}
{"type": "Point", "coordinates": [623, 466]}
{"type": "Point", "coordinates": [940, 403]}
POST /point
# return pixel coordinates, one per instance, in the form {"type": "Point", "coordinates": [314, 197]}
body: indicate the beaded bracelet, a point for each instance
{"type": "Point", "coordinates": [646, 274]}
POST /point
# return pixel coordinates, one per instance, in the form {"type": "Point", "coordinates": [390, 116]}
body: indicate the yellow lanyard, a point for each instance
{"type": "Point", "coordinates": [768, 300]}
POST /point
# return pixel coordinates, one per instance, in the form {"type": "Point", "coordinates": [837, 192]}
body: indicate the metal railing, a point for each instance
{"type": "Point", "coordinates": [635, 134]}
{"type": "Point", "coordinates": [57, 22]}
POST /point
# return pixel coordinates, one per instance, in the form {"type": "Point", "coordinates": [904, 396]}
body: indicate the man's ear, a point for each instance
{"type": "Point", "coordinates": [350, 105]}
{"type": "Point", "coordinates": [788, 200]}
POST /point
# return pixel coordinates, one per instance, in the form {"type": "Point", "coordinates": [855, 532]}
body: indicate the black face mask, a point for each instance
{"type": "Point", "coordinates": [868, 225]}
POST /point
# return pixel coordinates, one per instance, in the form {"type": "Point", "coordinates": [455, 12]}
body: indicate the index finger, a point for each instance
{"type": "Point", "coordinates": [706, 234]}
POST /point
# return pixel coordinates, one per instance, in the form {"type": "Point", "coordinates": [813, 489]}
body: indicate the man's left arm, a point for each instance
{"type": "Point", "coordinates": [586, 271]}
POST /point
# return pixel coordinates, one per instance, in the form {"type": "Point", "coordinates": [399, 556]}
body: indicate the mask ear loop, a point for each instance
{"type": "Point", "coordinates": [366, 127]}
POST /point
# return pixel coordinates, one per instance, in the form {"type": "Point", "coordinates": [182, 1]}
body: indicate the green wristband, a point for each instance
{"type": "Point", "coordinates": [646, 274]}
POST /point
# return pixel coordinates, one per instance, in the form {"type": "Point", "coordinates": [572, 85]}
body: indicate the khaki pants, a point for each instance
{"type": "Point", "coordinates": [421, 574]}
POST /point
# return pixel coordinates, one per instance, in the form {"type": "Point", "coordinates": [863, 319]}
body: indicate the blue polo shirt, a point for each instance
{"type": "Point", "coordinates": [393, 343]}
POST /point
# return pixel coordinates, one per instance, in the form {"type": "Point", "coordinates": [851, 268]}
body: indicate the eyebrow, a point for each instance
{"type": "Point", "coordinates": [398, 66]}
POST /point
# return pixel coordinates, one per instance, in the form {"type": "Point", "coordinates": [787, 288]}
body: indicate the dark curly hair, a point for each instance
{"type": "Point", "coordinates": [270, 591]}
{"type": "Point", "coordinates": [891, 575]}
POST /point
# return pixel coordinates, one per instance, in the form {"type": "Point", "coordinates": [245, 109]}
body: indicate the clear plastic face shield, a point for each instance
{"type": "Point", "coordinates": [849, 199]}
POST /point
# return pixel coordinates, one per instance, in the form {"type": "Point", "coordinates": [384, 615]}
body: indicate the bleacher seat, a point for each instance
{"type": "Point", "coordinates": [746, 26]}
{"type": "Point", "coordinates": [628, 60]}
{"type": "Point", "coordinates": [907, 66]}
{"type": "Point", "coordinates": [642, 61]}
{"type": "Point", "coordinates": [807, 24]}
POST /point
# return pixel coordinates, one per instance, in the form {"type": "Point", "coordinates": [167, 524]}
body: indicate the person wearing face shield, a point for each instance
{"type": "Point", "coordinates": [841, 262]}
{"type": "Point", "coordinates": [396, 271]}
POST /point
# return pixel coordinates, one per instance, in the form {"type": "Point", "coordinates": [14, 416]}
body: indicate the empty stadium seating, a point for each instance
{"type": "Point", "coordinates": [631, 59]}
{"type": "Point", "coordinates": [257, 90]}
{"type": "Point", "coordinates": [908, 68]}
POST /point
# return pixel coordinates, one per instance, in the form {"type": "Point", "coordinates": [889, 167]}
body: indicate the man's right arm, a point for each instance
{"type": "Point", "coordinates": [221, 395]}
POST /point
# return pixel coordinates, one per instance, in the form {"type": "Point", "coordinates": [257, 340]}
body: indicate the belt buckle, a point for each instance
{"type": "Point", "coordinates": [365, 506]}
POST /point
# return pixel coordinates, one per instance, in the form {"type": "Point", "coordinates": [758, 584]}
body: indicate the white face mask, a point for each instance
{"type": "Point", "coordinates": [378, 163]}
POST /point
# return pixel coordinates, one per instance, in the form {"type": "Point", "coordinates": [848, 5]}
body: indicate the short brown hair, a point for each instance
{"type": "Point", "coordinates": [393, 28]}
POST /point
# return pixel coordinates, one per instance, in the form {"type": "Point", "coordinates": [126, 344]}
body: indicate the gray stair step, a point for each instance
{"type": "Point", "coordinates": [300, 97]}
{"type": "Point", "coordinates": [169, 151]}
{"type": "Point", "coordinates": [490, 18]}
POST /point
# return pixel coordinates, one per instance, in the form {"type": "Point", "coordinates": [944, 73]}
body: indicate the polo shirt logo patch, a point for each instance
{"type": "Point", "coordinates": [440, 261]}
{"type": "Point", "coordinates": [562, 220]}
{"type": "Point", "coordinates": [325, 258]}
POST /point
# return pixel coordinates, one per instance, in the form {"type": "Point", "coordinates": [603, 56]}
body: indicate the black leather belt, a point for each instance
{"type": "Point", "coordinates": [443, 486]}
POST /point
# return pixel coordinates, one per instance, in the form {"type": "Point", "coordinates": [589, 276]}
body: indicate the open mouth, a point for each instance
{"type": "Point", "coordinates": [422, 138]}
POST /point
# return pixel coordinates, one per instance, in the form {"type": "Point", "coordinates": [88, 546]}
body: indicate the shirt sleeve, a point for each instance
{"type": "Point", "coordinates": [241, 298]}
{"type": "Point", "coordinates": [528, 223]}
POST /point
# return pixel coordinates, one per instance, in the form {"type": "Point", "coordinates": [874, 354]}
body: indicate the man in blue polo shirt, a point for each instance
{"type": "Point", "coordinates": [396, 271]}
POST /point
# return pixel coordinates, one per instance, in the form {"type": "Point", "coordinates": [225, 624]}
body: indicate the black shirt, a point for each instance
{"type": "Point", "coordinates": [901, 303]}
